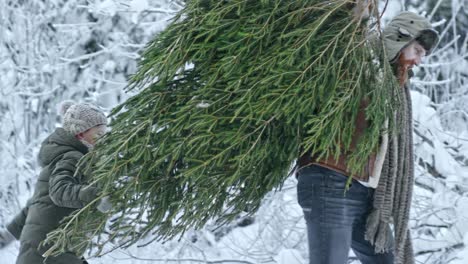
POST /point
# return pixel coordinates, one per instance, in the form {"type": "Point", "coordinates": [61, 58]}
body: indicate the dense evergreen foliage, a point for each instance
{"type": "Point", "coordinates": [229, 95]}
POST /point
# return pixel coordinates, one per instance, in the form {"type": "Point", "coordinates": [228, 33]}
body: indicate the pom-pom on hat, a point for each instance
{"type": "Point", "coordinates": [79, 117]}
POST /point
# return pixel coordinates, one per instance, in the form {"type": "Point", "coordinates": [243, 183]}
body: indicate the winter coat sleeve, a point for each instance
{"type": "Point", "coordinates": [65, 190]}
{"type": "Point", "coordinates": [15, 227]}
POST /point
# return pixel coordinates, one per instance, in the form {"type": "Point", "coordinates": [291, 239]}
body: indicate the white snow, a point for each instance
{"type": "Point", "coordinates": [93, 48]}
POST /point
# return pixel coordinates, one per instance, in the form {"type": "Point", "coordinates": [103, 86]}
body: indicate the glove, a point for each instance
{"type": "Point", "coordinates": [5, 238]}
{"type": "Point", "coordinates": [104, 205]}
{"type": "Point", "coordinates": [88, 193]}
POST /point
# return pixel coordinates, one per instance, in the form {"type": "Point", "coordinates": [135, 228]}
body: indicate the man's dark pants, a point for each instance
{"type": "Point", "coordinates": [336, 220]}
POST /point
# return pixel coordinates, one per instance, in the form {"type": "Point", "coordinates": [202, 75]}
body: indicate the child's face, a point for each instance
{"type": "Point", "coordinates": [93, 134]}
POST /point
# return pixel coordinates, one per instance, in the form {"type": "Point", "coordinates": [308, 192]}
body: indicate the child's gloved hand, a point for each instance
{"type": "Point", "coordinates": [104, 205]}
{"type": "Point", "coordinates": [5, 238]}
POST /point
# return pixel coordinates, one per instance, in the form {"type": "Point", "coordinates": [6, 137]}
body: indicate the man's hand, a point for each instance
{"type": "Point", "coordinates": [5, 238]}
{"type": "Point", "coordinates": [362, 9]}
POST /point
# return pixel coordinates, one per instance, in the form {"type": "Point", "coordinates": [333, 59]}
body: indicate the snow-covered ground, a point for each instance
{"type": "Point", "coordinates": [87, 49]}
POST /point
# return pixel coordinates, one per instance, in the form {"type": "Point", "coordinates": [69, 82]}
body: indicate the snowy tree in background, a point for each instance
{"type": "Point", "coordinates": [446, 77]}
{"type": "Point", "coordinates": [85, 50]}
{"type": "Point", "coordinates": [57, 50]}
{"type": "Point", "coordinates": [440, 103]}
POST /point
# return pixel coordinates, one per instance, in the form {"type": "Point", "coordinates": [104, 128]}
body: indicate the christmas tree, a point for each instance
{"type": "Point", "coordinates": [229, 95]}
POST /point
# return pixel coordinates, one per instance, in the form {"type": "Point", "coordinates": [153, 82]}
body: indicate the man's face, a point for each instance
{"type": "Point", "coordinates": [412, 55]}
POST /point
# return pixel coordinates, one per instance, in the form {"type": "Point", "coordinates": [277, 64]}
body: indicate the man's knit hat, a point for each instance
{"type": "Point", "coordinates": [79, 117]}
{"type": "Point", "coordinates": [406, 27]}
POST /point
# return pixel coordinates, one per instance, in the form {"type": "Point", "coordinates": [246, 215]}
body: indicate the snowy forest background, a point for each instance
{"type": "Point", "coordinates": [84, 50]}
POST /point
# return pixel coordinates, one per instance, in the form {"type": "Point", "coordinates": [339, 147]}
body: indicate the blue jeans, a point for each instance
{"type": "Point", "coordinates": [336, 221]}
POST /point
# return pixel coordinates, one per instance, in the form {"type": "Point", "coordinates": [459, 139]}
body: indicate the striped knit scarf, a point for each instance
{"type": "Point", "coordinates": [392, 197]}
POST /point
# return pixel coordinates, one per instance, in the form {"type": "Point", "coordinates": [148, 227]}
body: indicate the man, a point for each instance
{"type": "Point", "coordinates": [60, 188]}
{"type": "Point", "coordinates": [360, 218]}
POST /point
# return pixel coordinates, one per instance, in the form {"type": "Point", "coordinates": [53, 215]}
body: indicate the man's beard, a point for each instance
{"type": "Point", "coordinates": [404, 65]}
